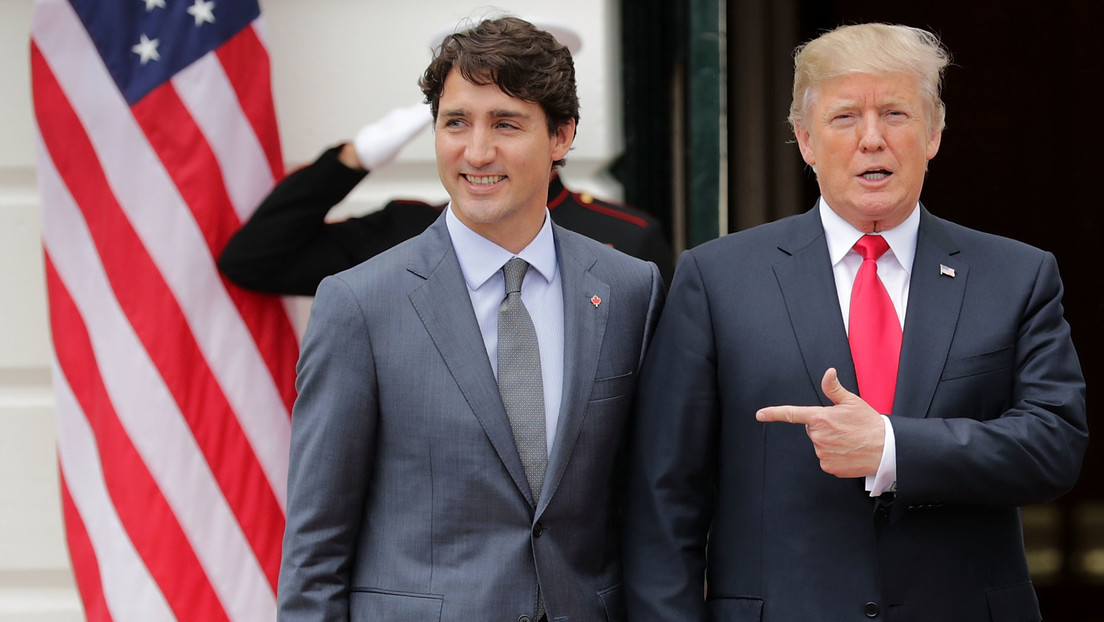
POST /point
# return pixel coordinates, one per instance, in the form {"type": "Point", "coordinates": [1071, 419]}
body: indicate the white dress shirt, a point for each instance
{"type": "Point", "coordinates": [894, 270]}
{"type": "Point", "coordinates": [481, 262]}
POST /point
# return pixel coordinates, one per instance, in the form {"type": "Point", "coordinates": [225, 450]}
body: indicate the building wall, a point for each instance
{"type": "Point", "coordinates": [337, 64]}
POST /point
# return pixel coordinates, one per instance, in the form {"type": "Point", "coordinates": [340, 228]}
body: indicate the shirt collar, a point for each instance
{"type": "Point", "coordinates": [481, 258]}
{"type": "Point", "coordinates": [841, 236]}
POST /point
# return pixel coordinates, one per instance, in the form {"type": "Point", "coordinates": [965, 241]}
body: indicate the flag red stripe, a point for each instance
{"type": "Point", "coordinates": [270, 326]}
{"type": "Point", "coordinates": [189, 161]}
{"type": "Point", "coordinates": [86, 569]}
{"type": "Point", "coordinates": [194, 169]}
{"type": "Point", "coordinates": [151, 309]}
{"type": "Point", "coordinates": [252, 81]}
{"type": "Point", "coordinates": [145, 514]}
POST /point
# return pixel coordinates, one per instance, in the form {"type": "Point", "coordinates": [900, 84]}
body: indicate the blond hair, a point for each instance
{"type": "Point", "coordinates": [874, 49]}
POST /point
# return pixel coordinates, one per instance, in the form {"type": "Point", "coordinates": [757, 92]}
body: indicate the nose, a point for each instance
{"type": "Point", "coordinates": [871, 137]}
{"type": "Point", "coordinates": [481, 148]}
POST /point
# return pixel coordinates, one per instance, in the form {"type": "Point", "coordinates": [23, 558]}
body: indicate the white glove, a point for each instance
{"type": "Point", "coordinates": [378, 143]}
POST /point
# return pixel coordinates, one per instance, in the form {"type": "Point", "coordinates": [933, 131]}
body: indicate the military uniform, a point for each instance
{"type": "Point", "coordinates": [287, 247]}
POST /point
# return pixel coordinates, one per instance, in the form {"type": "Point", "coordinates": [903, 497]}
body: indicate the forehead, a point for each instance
{"type": "Point", "coordinates": [459, 95]}
{"type": "Point", "coordinates": [869, 89]}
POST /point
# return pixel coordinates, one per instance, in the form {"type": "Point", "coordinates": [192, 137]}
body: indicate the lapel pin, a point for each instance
{"type": "Point", "coordinates": [595, 300]}
{"type": "Point", "coordinates": [945, 271]}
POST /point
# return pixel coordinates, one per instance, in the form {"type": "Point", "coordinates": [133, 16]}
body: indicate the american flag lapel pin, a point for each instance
{"type": "Point", "coordinates": [946, 271]}
{"type": "Point", "coordinates": [595, 300]}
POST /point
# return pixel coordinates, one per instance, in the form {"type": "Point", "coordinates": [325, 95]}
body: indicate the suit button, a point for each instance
{"type": "Point", "coordinates": [871, 610]}
{"type": "Point", "coordinates": [523, 618]}
{"type": "Point", "coordinates": [538, 529]}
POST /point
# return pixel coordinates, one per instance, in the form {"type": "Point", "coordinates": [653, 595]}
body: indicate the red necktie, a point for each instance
{"type": "Point", "coordinates": [874, 330]}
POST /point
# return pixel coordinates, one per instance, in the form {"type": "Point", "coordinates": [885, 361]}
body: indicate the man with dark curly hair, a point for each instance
{"type": "Point", "coordinates": [463, 396]}
{"type": "Point", "coordinates": [289, 244]}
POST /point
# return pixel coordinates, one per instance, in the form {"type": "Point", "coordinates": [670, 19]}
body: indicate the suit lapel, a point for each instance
{"type": "Point", "coordinates": [445, 309]}
{"type": "Point", "coordinates": [805, 277]}
{"type": "Point", "coordinates": [935, 301]}
{"type": "Point", "coordinates": [584, 327]}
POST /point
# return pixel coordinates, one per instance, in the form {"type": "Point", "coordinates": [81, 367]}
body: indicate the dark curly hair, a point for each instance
{"type": "Point", "coordinates": [517, 57]}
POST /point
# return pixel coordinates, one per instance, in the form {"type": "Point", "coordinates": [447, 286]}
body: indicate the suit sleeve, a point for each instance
{"type": "Point", "coordinates": [670, 492]}
{"type": "Point", "coordinates": [1031, 450]}
{"type": "Point", "coordinates": [287, 247]}
{"type": "Point", "coordinates": [334, 426]}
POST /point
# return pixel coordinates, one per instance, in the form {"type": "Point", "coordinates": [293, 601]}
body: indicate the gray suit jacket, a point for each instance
{"type": "Point", "coordinates": [407, 499]}
{"type": "Point", "coordinates": [989, 414]}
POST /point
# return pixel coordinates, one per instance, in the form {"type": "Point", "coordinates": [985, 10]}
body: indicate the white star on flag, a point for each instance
{"type": "Point", "coordinates": [154, 4]}
{"type": "Point", "coordinates": [202, 11]}
{"type": "Point", "coordinates": [147, 49]}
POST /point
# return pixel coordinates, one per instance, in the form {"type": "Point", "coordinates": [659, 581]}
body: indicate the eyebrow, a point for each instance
{"type": "Point", "coordinates": [494, 114]}
{"type": "Point", "coordinates": [889, 102]}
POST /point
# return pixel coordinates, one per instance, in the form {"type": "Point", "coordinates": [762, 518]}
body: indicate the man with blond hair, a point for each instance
{"type": "Point", "coordinates": [842, 411]}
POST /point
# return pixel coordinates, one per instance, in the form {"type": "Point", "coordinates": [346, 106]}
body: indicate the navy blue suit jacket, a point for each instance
{"type": "Point", "coordinates": [989, 415]}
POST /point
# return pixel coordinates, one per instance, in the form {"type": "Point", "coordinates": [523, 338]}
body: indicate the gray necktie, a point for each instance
{"type": "Point", "coordinates": [519, 376]}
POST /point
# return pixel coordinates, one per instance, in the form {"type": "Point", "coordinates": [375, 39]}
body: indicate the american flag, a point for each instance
{"type": "Point", "coordinates": [157, 137]}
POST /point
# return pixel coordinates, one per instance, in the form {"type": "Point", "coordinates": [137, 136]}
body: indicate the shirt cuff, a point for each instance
{"type": "Point", "coordinates": [886, 477]}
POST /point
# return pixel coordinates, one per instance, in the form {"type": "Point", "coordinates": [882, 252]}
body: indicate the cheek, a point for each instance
{"type": "Point", "coordinates": [528, 161]}
{"type": "Point", "coordinates": [448, 150]}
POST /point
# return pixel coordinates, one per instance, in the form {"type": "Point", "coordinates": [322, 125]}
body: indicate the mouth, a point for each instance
{"type": "Point", "coordinates": [876, 174]}
{"type": "Point", "coordinates": [484, 180]}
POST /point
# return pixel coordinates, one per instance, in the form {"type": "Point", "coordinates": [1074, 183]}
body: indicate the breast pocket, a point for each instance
{"type": "Point", "coordinates": [612, 387]}
{"type": "Point", "coordinates": [977, 386]}
{"type": "Point", "coordinates": [979, 364]}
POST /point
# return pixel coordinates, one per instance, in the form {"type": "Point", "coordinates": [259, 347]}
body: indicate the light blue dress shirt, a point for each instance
{"type": "Point", "coordinates": [481, 262]}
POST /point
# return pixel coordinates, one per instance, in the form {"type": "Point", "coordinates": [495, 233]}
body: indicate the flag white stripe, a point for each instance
{"type": "Point", "coordinates": [148, 411]}
{"type": "Point", "coordinates": [261, 28]}
{"type": "Point", "coordinates": [213, 103]}
{"type": "Point", "coordinates": [129, 591]}
{"type": "Point", "coordinates": [241, 158]}
{"type": "Point", "coordinates": [172, 237]}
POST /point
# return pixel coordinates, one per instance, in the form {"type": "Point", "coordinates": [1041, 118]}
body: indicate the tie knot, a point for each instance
{"type": "Point", "coordinates": [871, 247]}
{"type": "Point", "coordinates": [514, 272]}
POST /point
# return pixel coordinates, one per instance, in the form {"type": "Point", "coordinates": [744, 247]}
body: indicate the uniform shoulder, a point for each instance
{"type": "Point", "coordinates": [586, 203]}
